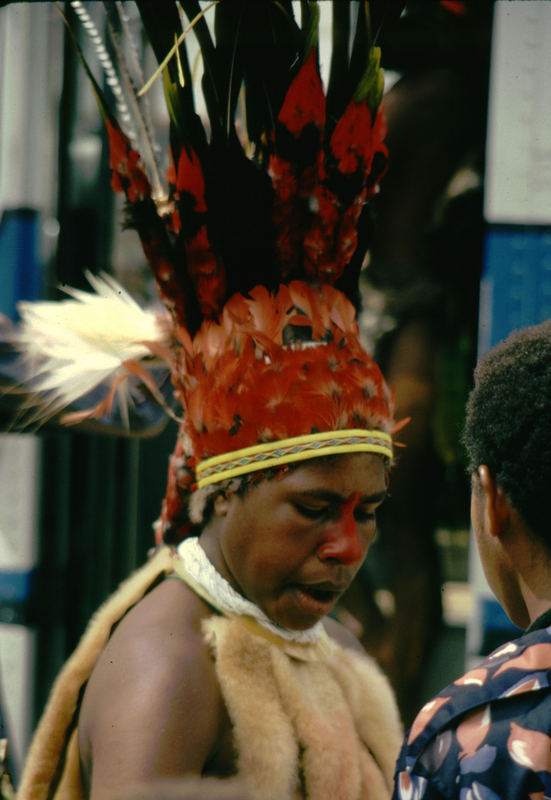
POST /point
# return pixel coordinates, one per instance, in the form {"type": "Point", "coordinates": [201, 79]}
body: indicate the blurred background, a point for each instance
{"type": "Point", "coordinates": [461, 255]}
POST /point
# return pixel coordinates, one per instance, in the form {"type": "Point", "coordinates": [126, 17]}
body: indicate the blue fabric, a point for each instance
{"type": "Point", "coordinates": [487, 735]}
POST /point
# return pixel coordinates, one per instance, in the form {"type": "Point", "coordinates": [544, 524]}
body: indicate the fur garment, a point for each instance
{"type": "Point", "coordinates": [325, 730]}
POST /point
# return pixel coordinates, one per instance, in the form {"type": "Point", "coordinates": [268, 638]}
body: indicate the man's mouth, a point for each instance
{"type": "Point", "coordinates": [317, 599]}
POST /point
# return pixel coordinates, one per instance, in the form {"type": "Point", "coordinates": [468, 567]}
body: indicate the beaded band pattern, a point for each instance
{"type": "Point", "coordinates": [285, 451]}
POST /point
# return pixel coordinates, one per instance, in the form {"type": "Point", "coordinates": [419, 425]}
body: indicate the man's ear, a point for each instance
{"type": "Point", "coordinates": [221, 504]}
{"type": "Point", "coordinates": [497, 508]}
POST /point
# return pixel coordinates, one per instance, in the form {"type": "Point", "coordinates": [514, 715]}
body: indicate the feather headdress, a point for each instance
{"type": "Point", "coordinates": [257, 241]}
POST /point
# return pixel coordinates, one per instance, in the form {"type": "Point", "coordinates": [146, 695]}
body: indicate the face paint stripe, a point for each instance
{"type": "Point", "coordinates": [341, 540]}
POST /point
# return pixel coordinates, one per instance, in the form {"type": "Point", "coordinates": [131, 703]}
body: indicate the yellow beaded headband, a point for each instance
{"type": "Point", "coordinates": [285, 451]}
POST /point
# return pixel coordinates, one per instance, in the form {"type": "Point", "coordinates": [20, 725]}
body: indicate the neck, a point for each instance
{"type": "Point", "coordinates": [208, 541]}
{"type": "Point", "coordinates": [537, 596]}
{"type": "Point", "coordinates": [533, 568]}
{"type": "Point", "coordinates": [194, 567]}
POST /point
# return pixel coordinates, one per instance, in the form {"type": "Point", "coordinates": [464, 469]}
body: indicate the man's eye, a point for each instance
{"type": "Point", "coordinates": [311, 512]}
{"type": "Point", "coordinates": [364, 515]}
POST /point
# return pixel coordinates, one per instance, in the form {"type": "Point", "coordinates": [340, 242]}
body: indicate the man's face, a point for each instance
{"type": "Point", "coordinates": [293, 544]}
{"type": "Point", "coordinates": [499, 571]}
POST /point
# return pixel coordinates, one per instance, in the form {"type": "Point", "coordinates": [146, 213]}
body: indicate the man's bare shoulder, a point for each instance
{"type": "Point", "coordinates": [160, 634]}
{"type": "Point", "coordinates": [153, 698]}
{"type": "Point", "coordinates": [171, 610]}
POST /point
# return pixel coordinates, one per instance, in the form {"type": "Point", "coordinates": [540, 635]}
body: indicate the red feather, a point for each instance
{"type": "Point", "coordinates": [205, 268]}
{"type": "Point", "coordinates": [128, 175]}
{"type": "Point", "coordinates": [305, 101]}
{"type": "Point", "coordinates": [294, 181]}
{"type": "Point", "coordinates": [352, 141]}
{"type": "Point", "coordinates": [190, 179]}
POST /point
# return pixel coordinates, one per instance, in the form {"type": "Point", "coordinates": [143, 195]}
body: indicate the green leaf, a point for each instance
{"type": "Point", "coordinates": [370, 87]}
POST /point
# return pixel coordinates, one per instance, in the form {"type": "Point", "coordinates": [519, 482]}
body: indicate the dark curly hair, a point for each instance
{"type": "Point", "coordinates": [508, 422]}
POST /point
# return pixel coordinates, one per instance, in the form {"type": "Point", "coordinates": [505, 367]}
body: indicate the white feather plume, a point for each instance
{"type": "Point", "coordinates": [72, 346]}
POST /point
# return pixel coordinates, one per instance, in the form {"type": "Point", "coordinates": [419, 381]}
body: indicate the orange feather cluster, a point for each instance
{"type": "Point", "coordinates": [278, 366]}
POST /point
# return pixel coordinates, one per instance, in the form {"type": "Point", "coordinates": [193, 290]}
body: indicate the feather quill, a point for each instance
{"type": "Point", "coordinates": [107, 65]}
{"type": "Point", "coordinates": [144, 139]}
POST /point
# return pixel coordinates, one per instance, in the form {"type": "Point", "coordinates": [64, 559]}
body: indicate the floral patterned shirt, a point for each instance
{"type": "Point", "coordinates": [487, 735]}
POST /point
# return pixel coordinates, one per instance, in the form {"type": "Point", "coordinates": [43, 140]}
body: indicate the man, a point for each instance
{"type": "Point", "coordinates": [215, 659]}
{"type": "Point", "coordinates": [488, 735]}
{"type": "Point", "coordinates": [226, 669]}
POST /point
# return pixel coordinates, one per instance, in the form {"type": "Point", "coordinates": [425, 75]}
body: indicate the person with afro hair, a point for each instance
{"type": "Point", "coordinates": [488, 735]}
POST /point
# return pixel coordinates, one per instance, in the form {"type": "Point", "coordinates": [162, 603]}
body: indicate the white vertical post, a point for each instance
{"type": "Point", "coordinates": [19, 484]}
{"type": "Point", "coordinates": [30, 75]}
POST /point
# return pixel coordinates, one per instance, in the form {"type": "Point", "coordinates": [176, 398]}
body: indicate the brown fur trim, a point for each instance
{"type": "Point", "coordinates": [373, 705]}
{"type": "Point", "coordinates": [262, 731]}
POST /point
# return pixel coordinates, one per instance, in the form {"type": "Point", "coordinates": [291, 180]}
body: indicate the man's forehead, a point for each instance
{"type": "Point", "coordinates": [353, 498]}
{"type": "Point", "coordinates": [338, 479]}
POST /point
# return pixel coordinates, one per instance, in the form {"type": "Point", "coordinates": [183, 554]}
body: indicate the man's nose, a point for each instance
{"type": "Point", "coordinates": [341, 540]}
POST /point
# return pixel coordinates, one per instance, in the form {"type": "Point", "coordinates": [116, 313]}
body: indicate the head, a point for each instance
{"type": "Point", "coordinates": [294, 543]}
{"type": "Point", "coordinates": [508, 422]}
{"type": "Point", "coordinates": [278, 377]}
{"type": "Point", "coordinates": [508, 445]}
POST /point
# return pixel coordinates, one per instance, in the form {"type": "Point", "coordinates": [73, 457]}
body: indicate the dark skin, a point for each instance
{"type": "Point", "coordinates": [516, 562]}
{"type": "Point", "coordinates": [152, 708]}
{"type": "Point", "coordinates": [156, 668]}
